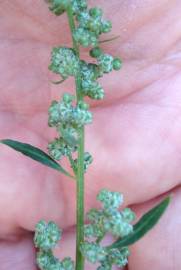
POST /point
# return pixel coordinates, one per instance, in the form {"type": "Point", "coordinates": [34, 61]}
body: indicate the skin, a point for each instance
{"type": "Point", "coordinates": [134, 139]}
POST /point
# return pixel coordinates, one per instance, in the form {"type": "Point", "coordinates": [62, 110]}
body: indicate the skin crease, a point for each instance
{"type": "Point", "coordinates": [134, 138]}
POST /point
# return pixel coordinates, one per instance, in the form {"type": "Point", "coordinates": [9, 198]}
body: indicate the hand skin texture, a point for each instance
{"type": "Point", "coordinates": [135, 138]}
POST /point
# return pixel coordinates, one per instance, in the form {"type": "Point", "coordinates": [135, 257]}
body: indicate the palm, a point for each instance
{"type": "Point", "coordinates": [136, 128]}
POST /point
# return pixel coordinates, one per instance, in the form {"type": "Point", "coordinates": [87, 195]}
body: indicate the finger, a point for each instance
{"type": "Point", "coordinates": [159, 249]}
{"type": "Point", "coordinates": [17, 254]}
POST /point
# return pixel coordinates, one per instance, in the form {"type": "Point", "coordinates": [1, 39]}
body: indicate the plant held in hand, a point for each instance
{"type": "Point", "coordinates": [69, 116]}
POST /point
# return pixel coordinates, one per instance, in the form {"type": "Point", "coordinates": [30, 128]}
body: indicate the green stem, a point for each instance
{"type": "Point", "coordinates": [80, 166]}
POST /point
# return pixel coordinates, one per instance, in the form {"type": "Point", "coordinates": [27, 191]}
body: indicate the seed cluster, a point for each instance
{"type": "Point", "coordinates": [108, 220]}
{"type": "Point", "coordinates": [46, 238]}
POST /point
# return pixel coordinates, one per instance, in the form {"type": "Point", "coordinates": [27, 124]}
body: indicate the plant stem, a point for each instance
{"type": "Point", "coordinates": [79, 265]}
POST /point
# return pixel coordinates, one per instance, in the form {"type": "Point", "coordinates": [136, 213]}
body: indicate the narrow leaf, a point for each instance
{"type": "Point", "coordinates": [146, 223]}
{"type": "Point", "coordinates": [58, 82]}
{"type": "Point", "coordinates": [108, 40]}
{"type": "Point", "coordinates": [36, 154]}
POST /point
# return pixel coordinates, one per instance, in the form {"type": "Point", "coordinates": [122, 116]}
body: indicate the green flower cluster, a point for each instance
{"type": "Point", "coordinates": [59, 147]}
{"type": "Point", "coordinates": [64, 113]}
{"type": "Point", "coordinates": [107, 220]}
{"type": "Point", "coordinates": [58, 7]}
{"type": "Point", "coordinates": [67, 119]}
{"type": "Point", "coordinates": [64, 61]}
{"type": "Point", "coordinates": [47, 235]}
{"type": "Point", "coordinates": [94, 253]}
{"type": "Point", "coordinates": [91, 72]}
{"type": "Point", "coordinates": [90, 27]}
{"type": "Point", "coordinates": [46, 238]}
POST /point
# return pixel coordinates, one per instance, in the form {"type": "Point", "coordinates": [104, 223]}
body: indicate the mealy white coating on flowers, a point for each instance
{"type": "Point", "coordinates": [118, 257]}
{"type": "Point", "coordinates": [106, 62]}
{"type": "Point", "coordinates": [69, 134]}
{"type": "Point", "coordinates": [64, 62]}
{"type": "Point", "coordinates": [46, 235]}
{"type": "Point", "coordinates": [128, 215]}
{"type": "Point", "coordinates": [93, 252]}
{"type": "Point", "coordinates": [94, 214]}
{"type": "Point", "coordinates": [85, 37]}
{"type": "Point", "coordinates": [90, 87]}
{"type": "Point", "coordinates": [65, 113]}
{"type": "Point", "coordinates": [109, 220]}
{"type": "Point", "coordinates": [91, 26]}
{"type": "Point", "coordinates": [58, 148]}
{"type": "Point", "coordinates": [59, 6]}
{"type": "Point", "coordinates": [93, 231]}
{"type": "Point", "coordinates": [45, 259]}
{"type": "Point", "coordinates": [110, 199]}
{"type": "Point", "coordinates": [67, 118]}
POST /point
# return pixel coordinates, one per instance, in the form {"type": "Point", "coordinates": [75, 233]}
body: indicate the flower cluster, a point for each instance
{"type": "Point", "coordinates": [58, 7]}
{"type": "Point", "coordinates": [67, 119]}
{"type": "Point", "coordinates": [107, 220]}
{"type": "Point", "coordinates": [64, 61]}
{"type": "Point", "coordinates": [46, 238]}
{"type": "Point", "coordinates": [90, 27]}
{"type": "Point", "coordinates": [64, 113]}
{"type": "Point", "coordinates": [91, 72]}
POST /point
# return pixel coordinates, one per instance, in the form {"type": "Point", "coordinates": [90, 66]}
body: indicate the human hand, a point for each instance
{"type": "Point", "coordinates": [134, 138]}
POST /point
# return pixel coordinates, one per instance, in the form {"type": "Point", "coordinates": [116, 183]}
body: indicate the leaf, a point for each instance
{"type": "Point", "coordinates": [36, 154]}
{"type": "Point", "coordinates": [146, 223]}
{"type": "Point", "coordinates": [108, 40]}
{"type": "Point", "coordinates": [58, 82]}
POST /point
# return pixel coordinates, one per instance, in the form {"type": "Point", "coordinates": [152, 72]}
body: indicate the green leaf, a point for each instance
{"type": "Point", "coordinates": [108, 40]}
{"type": "Point", "coordinates": [36, 154]}
{"type": "Point", "coordinates": [58, 82]}
{"type": "Point", "coordinates": [146, 223]}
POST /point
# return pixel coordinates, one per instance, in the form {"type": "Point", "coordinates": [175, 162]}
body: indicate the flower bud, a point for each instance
{"type": "Point", "coordinates": [95, 12]}
{"type": "Point", "coordinates": [83, 105]}
{"type": "Point", "coordinates": [96, 52]}
{"type": "Point", "coordinates": [58, 6]}
{"type": "Point", "coordinates": [117, 64]}
{"type": "Point", "coordinates": [67, 264]}
{"type": "Point", "coordinates": [67, 98]}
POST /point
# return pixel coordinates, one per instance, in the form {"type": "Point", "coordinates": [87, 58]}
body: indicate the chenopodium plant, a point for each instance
{"type": "Point", "coordinates": [69, 116]}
